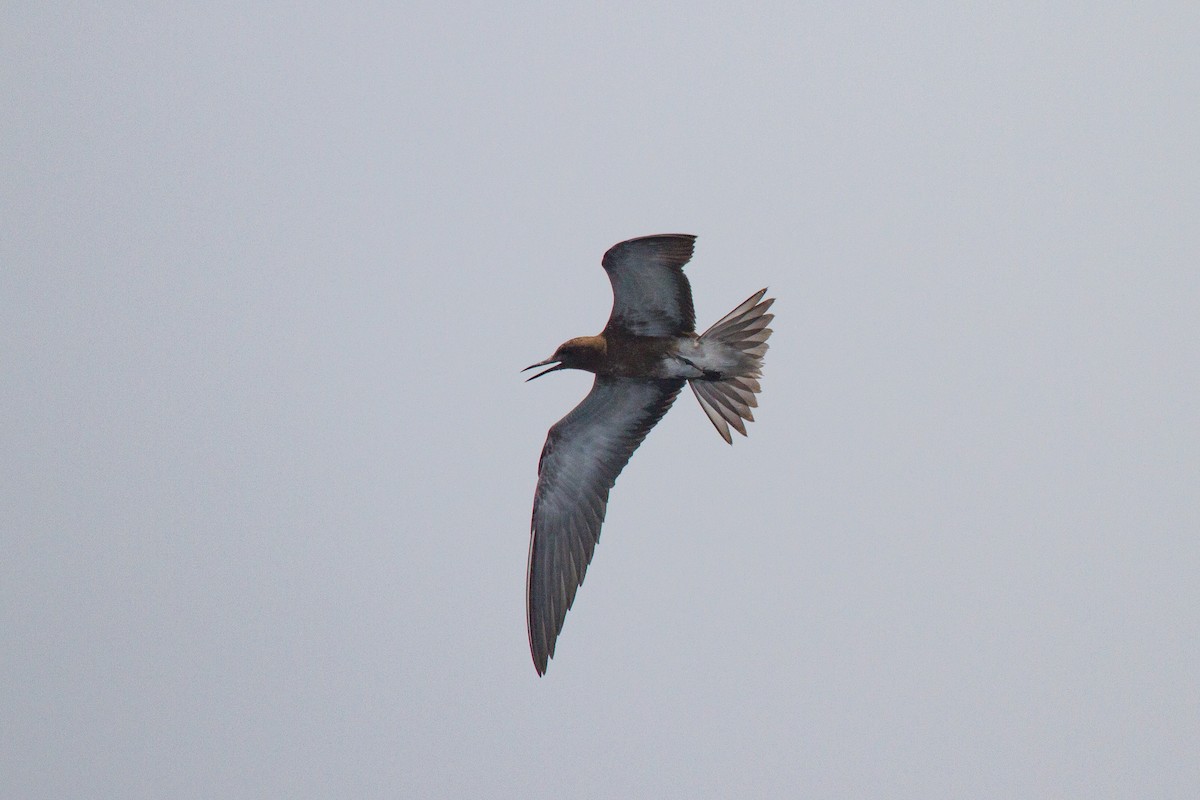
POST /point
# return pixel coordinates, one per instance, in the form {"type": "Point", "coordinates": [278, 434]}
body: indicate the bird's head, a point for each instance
{"type": "Point", "coordinates": [582, 352]}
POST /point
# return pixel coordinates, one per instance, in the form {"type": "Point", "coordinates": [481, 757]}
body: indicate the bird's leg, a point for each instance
{"type": "Point", "coordinates": [707, 374]}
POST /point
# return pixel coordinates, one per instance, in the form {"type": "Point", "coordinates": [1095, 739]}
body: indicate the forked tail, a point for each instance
{"type": "Point", "coordinates": [742, 334]}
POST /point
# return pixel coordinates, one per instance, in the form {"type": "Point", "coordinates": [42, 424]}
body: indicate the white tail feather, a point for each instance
{"type": "Point", "coordinates": [727, 399]}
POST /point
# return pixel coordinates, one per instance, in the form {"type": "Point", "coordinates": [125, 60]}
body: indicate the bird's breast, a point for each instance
{"type": "Point", "coordinates": [649, 357]}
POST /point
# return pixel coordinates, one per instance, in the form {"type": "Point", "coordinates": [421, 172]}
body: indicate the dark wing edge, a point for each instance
{"type": "Point", "coordinates": [584, 453]}
{"type": "Point", "coordinates": [651, 295]}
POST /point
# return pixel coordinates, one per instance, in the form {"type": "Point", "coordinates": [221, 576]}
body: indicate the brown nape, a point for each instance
{"type": "Point", "coordinates": [583, 352]}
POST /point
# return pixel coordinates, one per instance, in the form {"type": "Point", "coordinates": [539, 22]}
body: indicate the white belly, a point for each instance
{"type": "Point", "coordinates": [703, 358]}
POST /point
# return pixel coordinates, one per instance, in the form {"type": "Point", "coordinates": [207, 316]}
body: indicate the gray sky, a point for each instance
{"type": "Point", "coordinates": [268, 278]}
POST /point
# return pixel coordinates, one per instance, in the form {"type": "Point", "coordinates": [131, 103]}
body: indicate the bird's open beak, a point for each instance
{"type": "Point", "coordinates": [554, 361]}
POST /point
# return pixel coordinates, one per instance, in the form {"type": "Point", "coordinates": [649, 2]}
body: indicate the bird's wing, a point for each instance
{"type": "Point", "coordinates": [651, 295]}
{"type": "Point", "coordinates": [584, 453]}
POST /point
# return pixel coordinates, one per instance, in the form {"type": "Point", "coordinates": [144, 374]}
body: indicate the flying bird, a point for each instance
{"type": "Point", "coordinates": [641, 359]}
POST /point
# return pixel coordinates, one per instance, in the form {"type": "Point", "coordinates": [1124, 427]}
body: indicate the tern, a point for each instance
{"type": "Point", "coordinates": [647, 351]}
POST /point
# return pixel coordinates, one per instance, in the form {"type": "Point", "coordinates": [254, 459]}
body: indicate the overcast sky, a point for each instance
{"type": "Point", "coordinates": [267, 277]}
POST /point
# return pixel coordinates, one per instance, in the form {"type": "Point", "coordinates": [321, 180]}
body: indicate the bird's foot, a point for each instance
{"type": "Point", "coordinates": [707, 374]}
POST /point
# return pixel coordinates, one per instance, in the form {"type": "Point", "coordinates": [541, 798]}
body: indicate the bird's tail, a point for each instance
{"type": "Point", "coordinates": [728, 397]}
